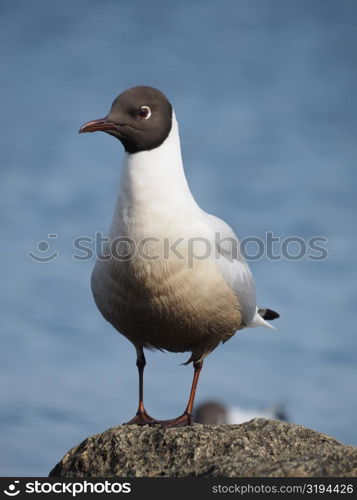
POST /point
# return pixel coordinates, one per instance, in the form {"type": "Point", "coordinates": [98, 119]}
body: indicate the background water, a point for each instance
{"type": "Point", "coordinates": [265, 94]}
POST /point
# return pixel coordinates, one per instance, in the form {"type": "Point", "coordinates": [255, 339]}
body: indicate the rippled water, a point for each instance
{"type": "Point", "coordinates": [265, 96]}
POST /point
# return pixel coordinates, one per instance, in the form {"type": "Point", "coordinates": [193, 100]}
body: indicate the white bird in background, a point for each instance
{"type": "Point", "coordinates": [215, 413]}
{"type": "Point", "coordinates": [183, 284]}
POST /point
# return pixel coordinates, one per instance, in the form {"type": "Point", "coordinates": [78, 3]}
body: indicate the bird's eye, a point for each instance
{"type": "Point", "coordinates": [144, 112]}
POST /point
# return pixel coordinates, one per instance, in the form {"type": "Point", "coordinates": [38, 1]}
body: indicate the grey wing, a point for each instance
{"type": "Point", "coordinates": [233, 266]}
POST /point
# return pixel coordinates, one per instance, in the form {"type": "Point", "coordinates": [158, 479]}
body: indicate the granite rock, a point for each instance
{"type": "Point", "coordinates": [259, 448]}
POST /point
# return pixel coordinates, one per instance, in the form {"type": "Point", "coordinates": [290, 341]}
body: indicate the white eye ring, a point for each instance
{"type": "Point", "coordinates": [146, 112]}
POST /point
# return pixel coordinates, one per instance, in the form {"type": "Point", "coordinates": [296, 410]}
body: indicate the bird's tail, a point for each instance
{"type": "Point", "coordinates": [268, 314]}
{"type": "Point", "coordinates": [262, 315]}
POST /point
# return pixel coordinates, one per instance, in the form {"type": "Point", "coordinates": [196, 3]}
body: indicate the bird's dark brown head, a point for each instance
{"type": "Point", "coordinates": [140, 117]}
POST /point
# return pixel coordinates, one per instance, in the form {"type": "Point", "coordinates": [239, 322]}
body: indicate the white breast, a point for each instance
{"type": "Point", "coordinates": [183, 293]}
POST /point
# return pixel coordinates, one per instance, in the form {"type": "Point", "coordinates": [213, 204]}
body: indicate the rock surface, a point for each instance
{"type": "Point", "coordinates": [260, 447]}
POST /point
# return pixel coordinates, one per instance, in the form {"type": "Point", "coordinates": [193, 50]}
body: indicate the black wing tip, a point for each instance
{"type": "Point", "coordinates": [268, 314]}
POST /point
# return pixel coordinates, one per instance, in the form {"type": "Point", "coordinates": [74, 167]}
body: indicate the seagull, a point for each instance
{"type": "Point", "coordinates": [216, 413]}
{"type": "Point", "coordinates": [171, 276]}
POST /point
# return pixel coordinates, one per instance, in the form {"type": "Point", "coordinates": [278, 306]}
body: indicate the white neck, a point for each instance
{"type": "Point", "coordinates": [153, 185]}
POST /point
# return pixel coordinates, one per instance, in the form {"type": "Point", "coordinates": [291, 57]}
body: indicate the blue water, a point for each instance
{"type": "Point", "coordinates": [265, 94]}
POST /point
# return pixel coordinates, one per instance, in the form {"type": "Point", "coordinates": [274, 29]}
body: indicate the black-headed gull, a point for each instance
{"type": "Point", "coordinates": [172, 277]}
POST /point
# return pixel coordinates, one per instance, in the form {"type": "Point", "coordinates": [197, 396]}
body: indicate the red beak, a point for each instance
{"type": "Point", "coordinates": [94, 125]}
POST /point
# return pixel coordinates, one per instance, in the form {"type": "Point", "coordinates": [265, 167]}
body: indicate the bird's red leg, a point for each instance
{"type": "Point", "coordinates": [141, 417]}
{"type": "Point", "coordinates": [186, 417]}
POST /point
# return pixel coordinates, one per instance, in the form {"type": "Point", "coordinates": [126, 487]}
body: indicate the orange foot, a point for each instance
{"type": "Point", "coordinates": [182, 421]}
{"type": "Point", "coordinates": [142, 418]}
